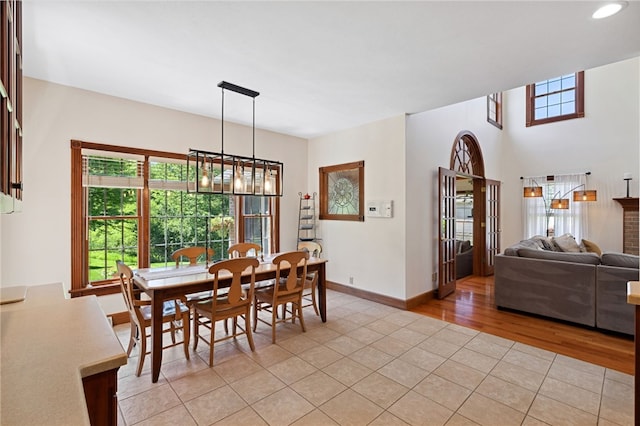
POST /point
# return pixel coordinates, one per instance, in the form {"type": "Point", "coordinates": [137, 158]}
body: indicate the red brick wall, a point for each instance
{"type": "Point", "coordinates": [630, 231]}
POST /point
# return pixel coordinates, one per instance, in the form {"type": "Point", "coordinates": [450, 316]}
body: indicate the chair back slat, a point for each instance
{"type": "Point", "coordinates": [291, 260]}
{"type": "Point", "coordinates": [242, 250]}
{"type": "Point", "coordinates": [235, 267]}
{"type": "Point", "coordinates": [193, 254]}
{"type": "Point", "coordinates": [314, 248]}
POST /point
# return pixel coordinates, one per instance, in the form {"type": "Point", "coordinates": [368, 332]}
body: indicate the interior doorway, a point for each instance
{"type": "Point", "coordinates": [469, 216]}
{"type": "Point", "coordinates": [464, 226]}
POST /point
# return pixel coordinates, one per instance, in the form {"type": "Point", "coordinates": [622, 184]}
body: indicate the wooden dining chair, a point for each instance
{"type": "Point", "coordinates": [193, 254]}
{"type": "Point", "coordinates": [243, 250]}
{"type": "Point", "coordinates": [309, 293]}
{"type": "Point", "coordinates": [175, 313]}
{"type": "Point", "coordinates": [234, 303]}
{"type": "Point", "coordinates": [288, 289]}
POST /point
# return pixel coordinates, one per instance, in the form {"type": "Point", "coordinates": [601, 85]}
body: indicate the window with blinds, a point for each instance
{"type": "Point", "coordinates": [136, 206]}
{"type": "Point", "coordinates": [112, 193]}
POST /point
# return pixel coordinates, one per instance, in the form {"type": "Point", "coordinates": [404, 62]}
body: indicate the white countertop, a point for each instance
{"type": "Point", "coordinates": [47, 346]}
{"type": "Point", "coordinates": [633, 292]}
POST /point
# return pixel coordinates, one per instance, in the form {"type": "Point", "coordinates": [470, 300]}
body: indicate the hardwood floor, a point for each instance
{"type": "Point", "coordinates": [473, 306]}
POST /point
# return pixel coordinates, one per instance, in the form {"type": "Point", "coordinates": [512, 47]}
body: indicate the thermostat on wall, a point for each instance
{"type": "Point", "coordinates": [380, 208]}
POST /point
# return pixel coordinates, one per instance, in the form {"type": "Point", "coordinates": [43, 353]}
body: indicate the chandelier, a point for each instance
{"type": "Point", "coordinates": [220, 173]}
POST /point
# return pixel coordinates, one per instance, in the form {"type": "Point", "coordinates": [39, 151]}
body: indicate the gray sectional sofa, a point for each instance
{"type": "Point", "coordinates": [538, 277]}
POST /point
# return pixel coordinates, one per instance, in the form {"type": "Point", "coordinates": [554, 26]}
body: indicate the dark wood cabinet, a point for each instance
{"type": "Point", "coordinates": [100, 391]}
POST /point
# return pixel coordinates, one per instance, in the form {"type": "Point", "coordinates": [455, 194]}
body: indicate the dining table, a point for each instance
{"type": "Point", "coordinates": [171, 282]}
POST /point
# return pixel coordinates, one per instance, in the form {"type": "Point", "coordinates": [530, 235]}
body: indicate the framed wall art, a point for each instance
{"type": "Point", "coordinates": [342, 192]}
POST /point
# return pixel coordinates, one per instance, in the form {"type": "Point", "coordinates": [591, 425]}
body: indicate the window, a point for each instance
{"type": "Point", "coordinates": [132, 206]}
{"type": "Point", "coordinates": [494, 109]}
{"type": "Point", "coordinates": [257, 220]}
{"type": "Point", "coordinates": [539, 216]}
{"type": "Point", "coordinates": [178, 218]}
{"type": "Point", "coordinates": [112, 190]}
{"type": "Point", "coordinates": [560, 98]}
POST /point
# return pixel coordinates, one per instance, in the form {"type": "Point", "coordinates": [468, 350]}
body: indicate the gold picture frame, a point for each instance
{"type": "Point", "coordinates": [342, 192]}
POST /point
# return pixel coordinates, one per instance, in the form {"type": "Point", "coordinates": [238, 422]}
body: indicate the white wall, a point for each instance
{"type": "Point", "coordinates": [35, 244]}
{"type": "Point", "coordinates": [604, 142]}
{"type": "Point", "coordinates": [373, 251]}
{"type": "Point", "coordinates": [430, 139]}
{"type": "Point", "coordinates": [401, 155]}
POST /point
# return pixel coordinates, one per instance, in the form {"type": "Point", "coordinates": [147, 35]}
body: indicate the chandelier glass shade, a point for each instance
{"type": "Point", "coordinates": [220, 173]}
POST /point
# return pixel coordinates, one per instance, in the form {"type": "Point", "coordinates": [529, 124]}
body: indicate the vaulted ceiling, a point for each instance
{"type": "Point", "coordinates": [320, 66]}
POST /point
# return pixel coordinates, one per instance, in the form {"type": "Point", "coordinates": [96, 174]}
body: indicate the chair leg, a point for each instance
{"type": "Point", "coordinates": [211, 342]}
{"type": "Point", "coordinates": [255, 314]}
{"type": "Point", "coordinates": [186, 331]}
{"type": "Point", "coordinates": [274, 316]}
{"type": "Point", "coordinates": [300, 314]}
{"type": "Point", "coordinates": [143, 351]}
{"type": "Point", "coordinates": [247, 329]}
{"type": "Point", "coordinates": [132, 337]}
{"type": "Point", "coordinates": [313, 297]}
{"type": "Point", "coordinates": [172, 325]}
{"type": "Point", "coordinates": [196, 329]}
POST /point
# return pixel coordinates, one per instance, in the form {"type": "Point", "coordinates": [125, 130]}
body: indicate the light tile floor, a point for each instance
{"type": "Point", "coordinates": [371, 364]}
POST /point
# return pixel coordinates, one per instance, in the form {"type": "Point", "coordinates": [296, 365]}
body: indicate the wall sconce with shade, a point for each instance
{"type": "Point", "coordinates": [219, 173]}
{"type": "Point", "coordinates": [558, 201]}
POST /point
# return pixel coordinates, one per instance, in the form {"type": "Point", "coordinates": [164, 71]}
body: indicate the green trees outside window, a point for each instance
{"type": "Point", "coordinates": [177, 218]}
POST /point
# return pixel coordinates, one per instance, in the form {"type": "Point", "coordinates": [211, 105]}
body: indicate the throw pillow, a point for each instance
{"type": "Point", "coordinates": [591, 247]}
{"type": "Point", "coordinates": [567, 243]}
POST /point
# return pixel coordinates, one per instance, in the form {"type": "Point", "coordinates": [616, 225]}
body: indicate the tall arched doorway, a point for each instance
{"type": "Point", "coordinates": [469, 215]}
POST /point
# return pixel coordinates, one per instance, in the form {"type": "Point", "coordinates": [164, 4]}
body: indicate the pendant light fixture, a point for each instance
{"type": "Point", "coordinates": [219, 173]}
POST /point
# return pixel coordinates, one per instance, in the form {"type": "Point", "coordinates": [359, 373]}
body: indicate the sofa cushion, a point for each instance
{"type": "Point", "coordinates": [545, 243]}
{"type": "Point", "coordinates": [587, 258]}
{"type": "Point", "coordinates": [566, 243]}
{"type": "Point", "coordinates": [620, 259]}
{"type": "Point", "coordinates": [513, 250]}
{"type": "Point", "coordinates": [464, 246]}
{"type": "Point", "coordinates": [591, 247]}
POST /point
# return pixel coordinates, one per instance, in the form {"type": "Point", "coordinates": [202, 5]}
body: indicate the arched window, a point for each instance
{"type": "Point", "coordinates": [466, 156]}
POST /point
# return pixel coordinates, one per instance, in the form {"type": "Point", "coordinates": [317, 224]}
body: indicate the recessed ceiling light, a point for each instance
{"type": "Point", "coordinates": [608, 10]}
